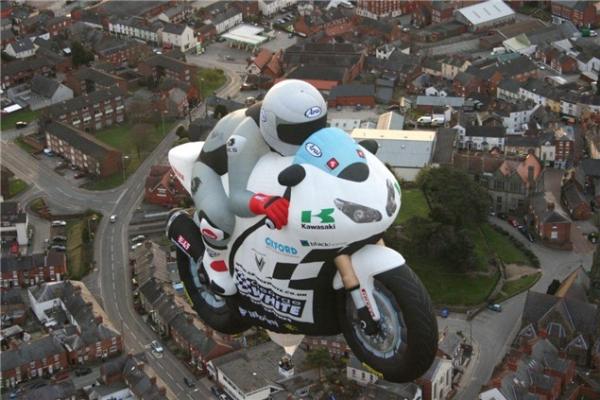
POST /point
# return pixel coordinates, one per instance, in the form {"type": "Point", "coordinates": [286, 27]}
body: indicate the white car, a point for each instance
{"type": "Point", "coordinates": [138, 238]}
{"type": "Point", "coordinates": [113, 219]}
{"type": "Point", "coordinates": [59, 223]}
{"type": "Point", "coordinates": [135, 246]}
{"type": "Point", "coordinates": [156, 346]}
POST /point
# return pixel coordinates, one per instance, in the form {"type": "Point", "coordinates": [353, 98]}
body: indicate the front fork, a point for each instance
{"type": "Point", "coordinates": [361, 294]}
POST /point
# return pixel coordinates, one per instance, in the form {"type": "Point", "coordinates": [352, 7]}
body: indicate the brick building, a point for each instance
{"type": "Point", "coordinates": [90, 112]}
{"type": "Point", "coordinates": [550, 222]}
{"type": "Point", "coordinates": [21, 71]}
{"type": "Point", "coordinates": [581, 13]}
{"type": "Point", "coordinates": [32, 269]}
{"type": "Point", "coordinates": [352, 94]}
{"type": "Point", "coordinates": [138, 377]}
{"type": "Point", "coordinates": [376, 9]}
{"type": "Point", "coordinates": [13, 310]}
{"type": "Point", "coordinates": [87, 80]}
{"type": "Point", "coordinates": [163, 188]}
{"type": "Point", "coordinates": [14, 223]}
{"type": "Point", "coordinates": [335, 345]}
{"type": "Point", "coordinates": [121, 51]}
{"type": "Point", "coordinates": [31, 360]}
{"type": "Point", "coordinates": [83, 150]}
{"type": "Point", "coordinates": [163, 66]}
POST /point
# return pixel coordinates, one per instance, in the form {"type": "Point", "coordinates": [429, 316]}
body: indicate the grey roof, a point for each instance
{"type": "Point", "coordinates": [450, 343]}
{"type": "Point", "coordinates": [97, 76]}
{"type": "Point", "coordinates": [43, 86]}
{"type": "Point", "coordinates": [200, 128]}
{"type": "Point", "coordinates": [591, 167]}
{"type": "Point", "coordinates": [224, 16]}
{"type": "Point", "coordinates": [573, 197]}
{"type": "Point", "coordinates": [151, 290]}
{"type": "Point", "coordinates": [87, 100]}
{"type": "Point", "coordinates": [11, 213]}
{"type": "Point", "coordinates": [317, 54]}
{"type": "Point", "coordinates": [168, 63]}
{"type": "Point", "coordinates": [444, 147]}
{"type": "Point", "coordinates": [522, 141]}
{"type": "Point", "coordinates": [62, 390]}
{"type": "Point", "coordinates": [30, 64]}
{"type": "Point", "coordinates": [175, 29]}
{"type": "Point", "coordinates": [80, 140]}
{"type": "Point", "coordinates": [516, 66]}
{"type": "Point", "coordinates": [123, 8]}
{"type": "Point", "coordinates": [30, 351]}
{"type": "Point", "coordinates": [22, 45]}
{"type": "Point", "coordinates": [440, 101]}
{"type": "Point", "coordinates": [485, 131]}
{"type": "Point", "coordinates": [318, 72]}
{"type": "Point", "coordinates": [11, 296]}
{"type": "Point", "coordinates": [28, 262]}
{"type": "Point", "coordinates": [351, 89]}
{"type": "Point", "coordinates": [195, 337]}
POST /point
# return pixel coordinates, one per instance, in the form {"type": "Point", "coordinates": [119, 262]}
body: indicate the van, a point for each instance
{"type": "Point", "coordinates": [438, 120]}
{"type": "Point", "coordinates": [59, 223]}
{"type": "Point", "coordinates": [424, 120]}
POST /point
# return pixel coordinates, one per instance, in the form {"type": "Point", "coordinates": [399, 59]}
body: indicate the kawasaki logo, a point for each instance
{"type": "Point", "coordinates": [325, 219]}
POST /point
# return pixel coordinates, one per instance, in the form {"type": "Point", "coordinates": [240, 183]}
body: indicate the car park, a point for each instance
{"type": "Point", "coordinates": [156, 346]}
{"type": "Point", "coordinates": [59, 223]}
{"type": "Point", "coordinates": [494, 307]}
{"type": "Point", "coordinates": [21, 124]}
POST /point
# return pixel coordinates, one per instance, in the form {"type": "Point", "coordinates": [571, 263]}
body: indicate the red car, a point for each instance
{"type": "Point", "coordinates": [513, 221]}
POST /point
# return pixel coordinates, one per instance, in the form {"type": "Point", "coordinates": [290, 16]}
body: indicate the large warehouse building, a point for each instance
{"type": "Point", "coordinates": [485, 15]}
{"type": "Point", "coordinates": [405, 151]}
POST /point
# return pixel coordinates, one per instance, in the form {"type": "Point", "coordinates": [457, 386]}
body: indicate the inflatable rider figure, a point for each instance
{"type": "Point", "coordinates": [291, 111]}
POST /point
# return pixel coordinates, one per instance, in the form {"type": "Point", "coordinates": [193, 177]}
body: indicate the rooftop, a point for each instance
{"type": "Point", "coordinates": [486, 11]}
{"type": "Point", "coordinates": [80, 140]}
{"type": "Point", "coordinates": [389, 134]}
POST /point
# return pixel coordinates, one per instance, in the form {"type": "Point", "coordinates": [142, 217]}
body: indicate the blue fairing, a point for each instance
{"type": "Point", "coordinates": [330, 150]}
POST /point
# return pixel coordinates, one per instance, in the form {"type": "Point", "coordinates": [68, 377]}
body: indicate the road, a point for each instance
{"type": "Point", "coordinates": [493, 332]}
{"type": "Point", "coordinates": [111, 245]}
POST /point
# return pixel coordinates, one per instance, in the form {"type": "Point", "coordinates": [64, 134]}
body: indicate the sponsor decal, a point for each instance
{"type": "Point", "coordinates": [268, 298]}
{"type": "Point", "coordinates": [313, 149]}
{"type": "Point", "coordinates": [360, 153]}
{"type": "Point", "coordinates": [209, 234]}
{"type": "Point", "coordinates": [313, 112]}
{"type": "Point", "coordinates": [280, 247]}
{"type": "Point", "coordinates": [260, 262]}
{"type": "Point", "coordinates": [315, 243]}
{"type": "Point", "coordinates": [332, 163]}
{"type": "Point", "coordinates": [372, 370]}
{"type": "Point", "coordinates": [324, 219]}
{"type": "Point", "coordinates": [195, 184]}
{"type": "Point", "coordinates": [255, 315]}
{"type": "Point", "coordinates": [365, 297]}
{"type": "Point", "coordinates": [183, 242]}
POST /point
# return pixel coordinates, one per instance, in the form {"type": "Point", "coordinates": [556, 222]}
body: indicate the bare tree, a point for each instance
{"type": "Point", "coordinates": [139, 136]}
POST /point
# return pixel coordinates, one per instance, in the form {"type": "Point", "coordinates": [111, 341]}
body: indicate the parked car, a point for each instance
{"type": "Point", "coordinates": [444, 313]}
{"type": "Point", "coordinates": [523, 229]}
{"type": "Point", "coordinates": [112, 219]}
{"type": "Point", "coordinates": [80, 175]}
{"type": "Point", "coordinates": [59, 223]}
{"type": "Point", "coordinates": [425, 120]}
{"type": "Point", "coordinates": [48, 152]}
{"type": "Point", "coordinates": [138, 238]}
{"type": "Point", "coordinates": [83, 371]}
{"type": "Point", "coordinates": [59, 238]}
{"type": "Point", "coordinates": [593, 237]}
{"type": "Point", "coordinates": [513, 221]}
{"type": "Point", "coordinates": [216, 391]}
{"type": "Point", "coordinates": [494, 307]}
{"type": "Point", "coordinates": [156, 346]}
{"type": "Point", "coordinates": [21, 124]}
{"type": "Point", "coordinates": [188, 382]}
{"type": "Point", "coordinates": [136, 245]}
{"type": "Point", "coordinates": [58, 247]}
{"type": "Point", "coordinates": [502, 215]}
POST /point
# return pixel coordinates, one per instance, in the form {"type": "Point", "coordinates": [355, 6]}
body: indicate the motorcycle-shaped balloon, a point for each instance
{"type": "Point", "coordinates": [294, 280]}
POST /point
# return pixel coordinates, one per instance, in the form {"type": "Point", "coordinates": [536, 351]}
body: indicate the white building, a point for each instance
{"type": "Point", "coordinates": [270, 7]}
{"type": "Point", "coordinates": [485, 15]}
{"type": "Point", "coordinates": [484, 138]}
{"type": "Point", "coordinates": [227, 20]}
{"type": "Point", "coordinates": [246, 37]}
{"type": "Point", "coordinates": [137, 28]}
{"type": "Point", "coordinates": [179, 36]}
{"type": "Point", "coordinates": [346, 124]}
{"type": "Point", "coordinates": [492, 394]}
{"type": "Point", "coordinates": [516, 116]}
{"type": "Point", "coordinates": [22, 48]}
{"type": "Point", "coordinates": [14, 222]}
{"type": "Point", "coordinates": [405, 151]}
{"type": "Point", "coordinates": [440, 377]}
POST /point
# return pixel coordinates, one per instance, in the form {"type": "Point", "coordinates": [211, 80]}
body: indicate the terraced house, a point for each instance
{"type": "Point", "coordinates": [32, 269]}
{"type": "Point", "coordinates": [92, 111]}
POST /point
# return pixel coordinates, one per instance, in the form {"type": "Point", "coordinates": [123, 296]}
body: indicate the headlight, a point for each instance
{"type": "Point", "coordinates": [391, 205]}
{"type": "Point", "coordinates": [356, 212]}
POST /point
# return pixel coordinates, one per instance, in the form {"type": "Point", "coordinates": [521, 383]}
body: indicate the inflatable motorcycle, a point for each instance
{"type": "Point", "coordinates": [318, 274]}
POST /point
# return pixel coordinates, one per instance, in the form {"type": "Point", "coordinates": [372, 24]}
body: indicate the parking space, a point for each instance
{"type": "Point", "coordinates": [61, 167]}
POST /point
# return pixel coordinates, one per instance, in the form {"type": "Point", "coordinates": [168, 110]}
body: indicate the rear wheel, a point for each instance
{"type": "Point", "coordinates": [406, 345]}
{"type": "Point", "coordinates": [220, 313]}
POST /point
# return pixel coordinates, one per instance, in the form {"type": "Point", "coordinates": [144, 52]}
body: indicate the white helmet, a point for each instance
{"type": "Point", "coordinates": [291, 111]}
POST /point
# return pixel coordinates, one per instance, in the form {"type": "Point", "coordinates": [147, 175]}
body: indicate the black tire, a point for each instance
{"type": "Point", "coordinates": [415, 349]}
{"type": "Point", "coordinates": [224, 317]}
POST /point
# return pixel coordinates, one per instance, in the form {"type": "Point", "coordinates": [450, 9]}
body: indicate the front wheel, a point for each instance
{"type": "Point", "coordinates": [406, 344]}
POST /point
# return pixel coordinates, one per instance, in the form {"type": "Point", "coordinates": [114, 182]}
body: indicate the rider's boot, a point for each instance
{"type": "Point", "coordinates": [367, 323]}
{"type": "Point", "coordinates": [214, 260]}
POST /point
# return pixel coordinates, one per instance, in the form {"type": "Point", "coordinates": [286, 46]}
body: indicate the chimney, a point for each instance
{"type": "Point", "coordinates": [153, 380]}
{"type": "Point", "coordinates": [550, 206]}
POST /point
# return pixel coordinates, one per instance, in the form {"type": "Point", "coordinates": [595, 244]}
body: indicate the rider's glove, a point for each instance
{"type": "Point", "coordinates": [274, 207]}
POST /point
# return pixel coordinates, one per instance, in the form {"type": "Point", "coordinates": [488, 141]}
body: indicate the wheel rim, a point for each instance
{"type": "Point", "coordinates": [392, 335]}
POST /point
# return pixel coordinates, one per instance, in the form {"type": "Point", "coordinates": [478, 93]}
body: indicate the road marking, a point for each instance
{"type": "Point", "coordinates": [114, 287]}
{"type": "Point", "coordinates": [121, 196]}
{"type": "Point", "coordinates": [169, 375]}
{"type": "Point", "coordinates": [179, 386]}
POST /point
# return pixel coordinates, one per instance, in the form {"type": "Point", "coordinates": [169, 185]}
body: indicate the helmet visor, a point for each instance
{"type": "Point", "coordinates": [296, 134]}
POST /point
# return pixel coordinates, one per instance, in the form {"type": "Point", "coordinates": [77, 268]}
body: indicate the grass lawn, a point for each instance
{"type": "Point", "coordinates": [209, 80]}
{"type": "Point", "coordinates": [120, 138]}
{"type": "Point", "coordinates": [413, 205]}
{"type": "Point", "coordinates": [25, 146]}
{"type": "Point", "coordinates": [503, 247]}
{"type": "Point", "coordinates": [16, 186]}
{"type": "Point", "coordinates": [79, 246]}
{"type": "Point", "coordinates": [8, 121]}
{"type": "Point", "coordinates": [516, 286]}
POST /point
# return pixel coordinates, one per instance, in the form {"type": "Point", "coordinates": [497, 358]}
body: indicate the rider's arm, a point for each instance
{"type": "Point", "coordinates": [244, 148]}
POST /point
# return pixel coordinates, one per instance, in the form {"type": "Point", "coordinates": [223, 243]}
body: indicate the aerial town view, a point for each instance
{"type": "Point", "coordinates": [300, 199]}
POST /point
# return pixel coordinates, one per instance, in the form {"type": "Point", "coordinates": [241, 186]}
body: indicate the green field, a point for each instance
{"type": "Point", "coordinates": [8, 121]}
{"type": "Point", "coordinates": [503, 247]}
{"type": "Point", "coordinates": [511, 288]}
{"type": "Point", "coordinates": [209, 80]}
{"type": "Point", "coordinates": [120, 138]}
{"type": "Point", "coordinates": [16, 186]}
{"type": "Point", "coordinates": [79, 245]}
{"type": "Point", "coordinates": [413, 205]}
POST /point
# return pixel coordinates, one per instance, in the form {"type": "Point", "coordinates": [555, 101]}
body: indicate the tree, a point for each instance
{"type": "Point", "coordinates": [453, 196]}
{"type": "Point", "coordinates": [318, 358]}
{"type": "Point", "coordinates": [139, 137]}
{"type": "Point", "coordinates": [182, 132]}
{"type": "Point", "coordinates": [80, 54]}
{"type": "Point", "coordinates": [141, 111]}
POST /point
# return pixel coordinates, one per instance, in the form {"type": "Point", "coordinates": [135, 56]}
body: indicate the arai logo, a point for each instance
{"type": "Point", "coordinates": [313, 112]}
{"type": "Point", "coordinates": [313, 149]}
